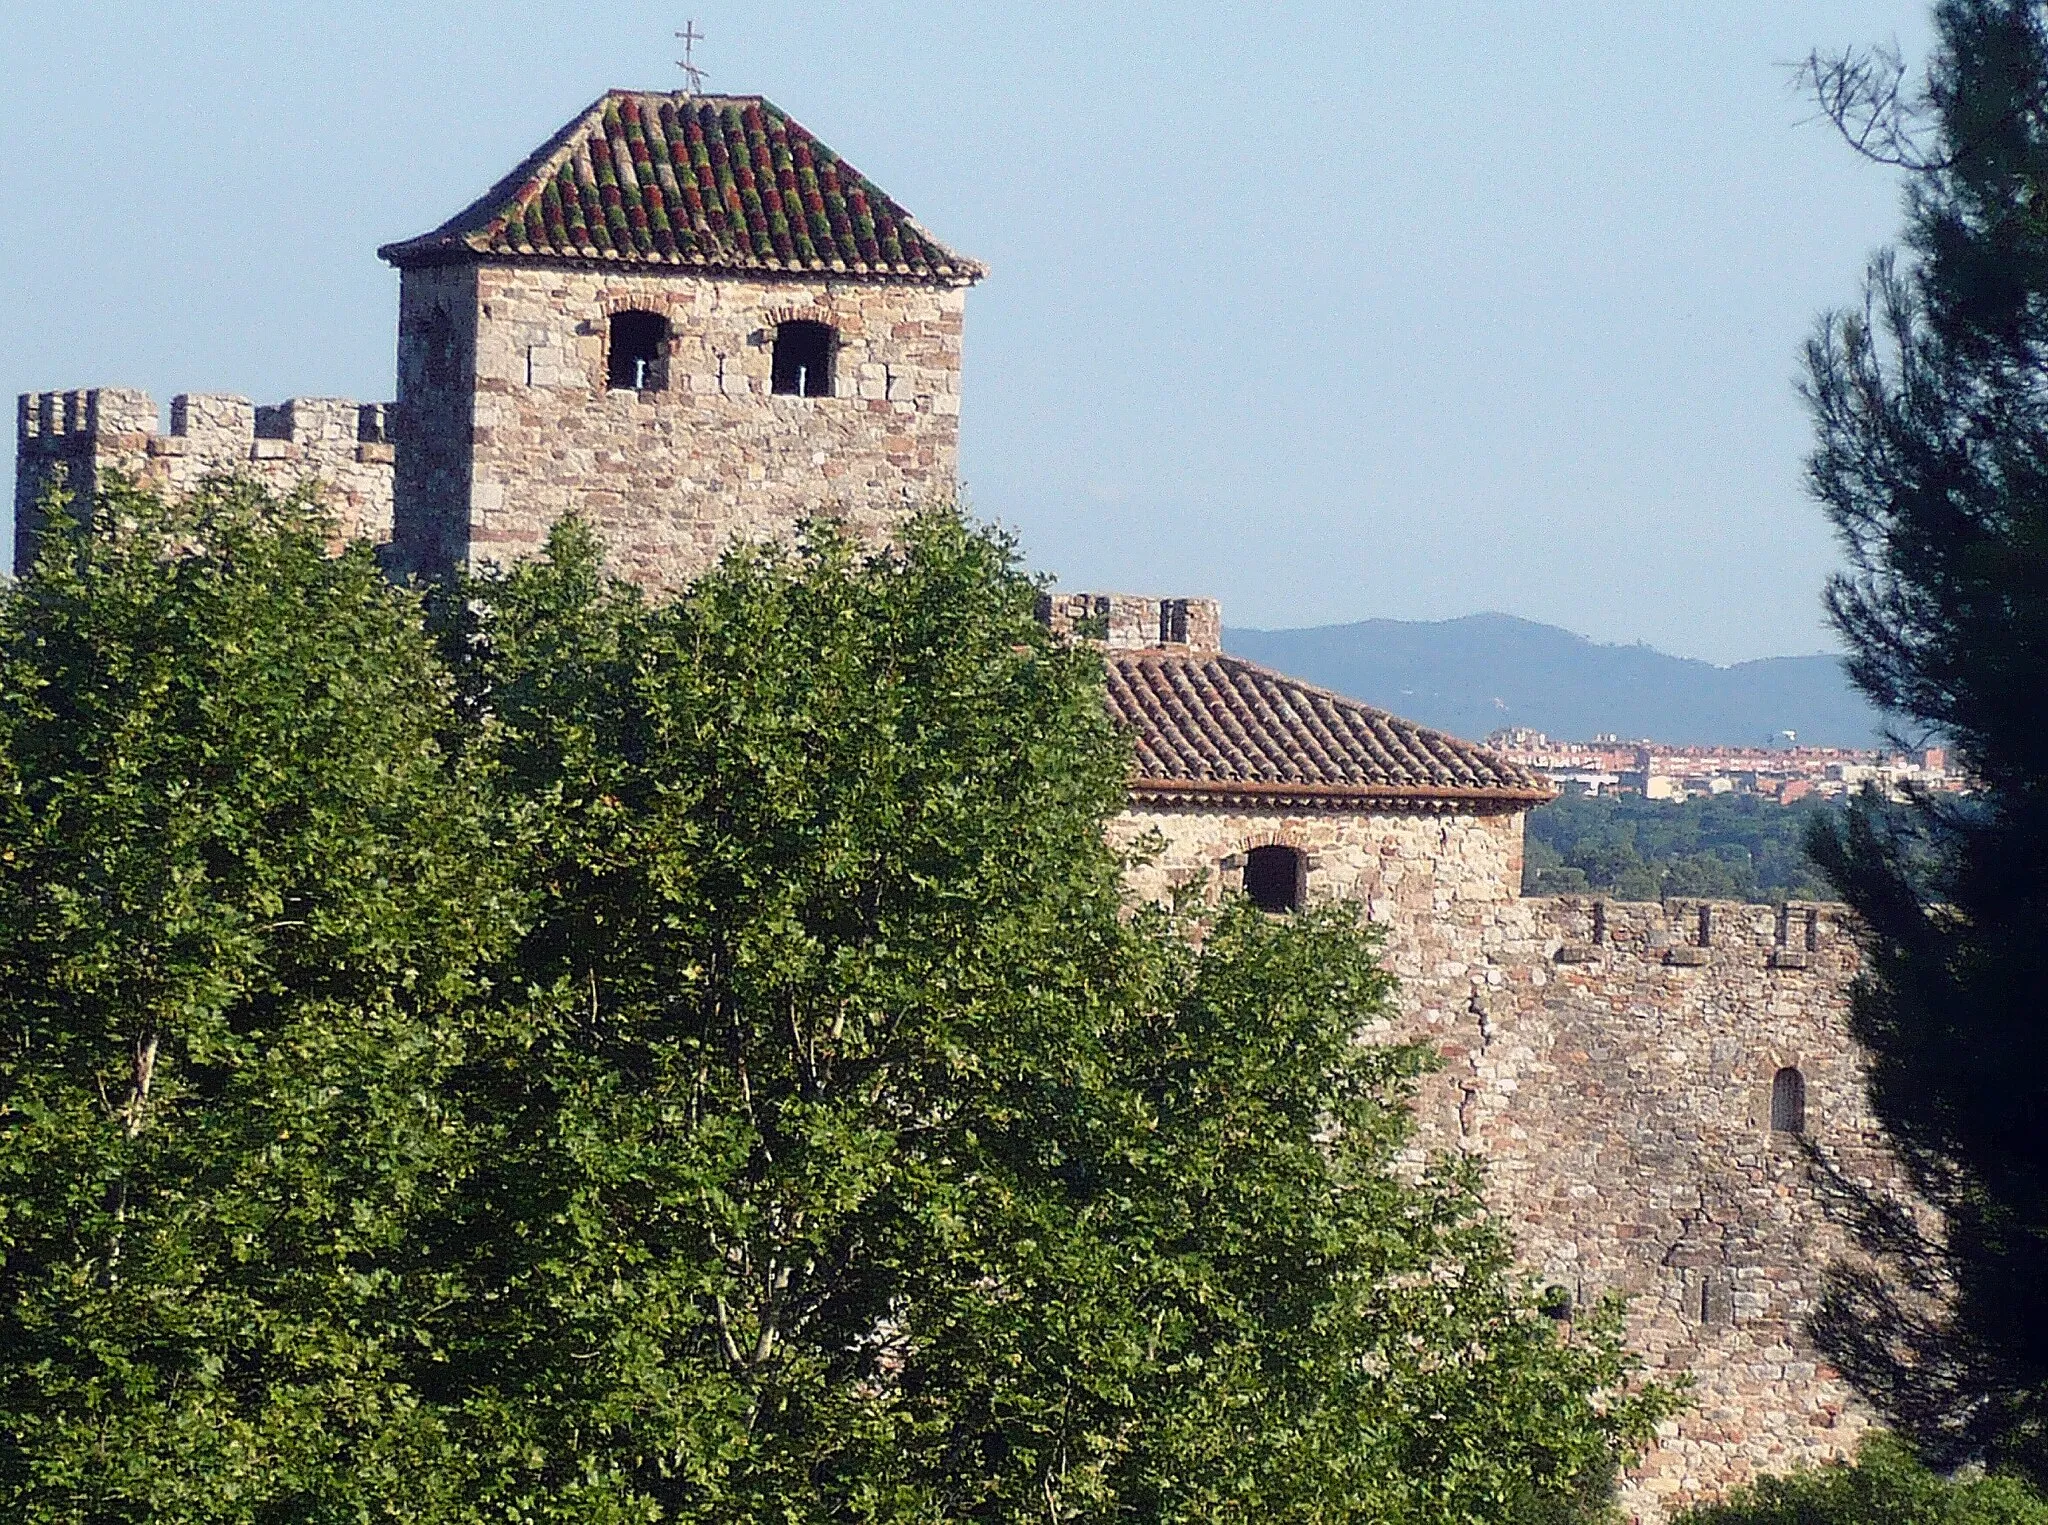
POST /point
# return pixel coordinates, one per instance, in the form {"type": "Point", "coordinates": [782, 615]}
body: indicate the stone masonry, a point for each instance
{"type": "Point", "coordinates": [511, 426]}
{"type": "Point", "coordinates": [342, 447]}
{"type": "Point", "coordinates": [1613, 1063]}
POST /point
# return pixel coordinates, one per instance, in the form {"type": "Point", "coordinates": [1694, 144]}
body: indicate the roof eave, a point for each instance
{"type": "Point", "coordinates": [417, 252]}
{"type": "Point", "coordinates": [1270, 795]}
{"type": "Point", "coordinates": [430, 250]}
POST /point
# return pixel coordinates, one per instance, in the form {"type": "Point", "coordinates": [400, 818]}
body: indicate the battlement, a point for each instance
{"type": "Point", "coordinates": [58, 422]}
{"type": "Point", "coordinates": [1692, 933]}
{"type": "Point", "coordinates": [343, 447]}
{"type": "Point", "coordinates": [1127, 621]}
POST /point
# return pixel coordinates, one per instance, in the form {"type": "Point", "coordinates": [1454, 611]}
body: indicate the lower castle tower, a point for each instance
{"type": "Point", "coordinates": [1652, 1086]}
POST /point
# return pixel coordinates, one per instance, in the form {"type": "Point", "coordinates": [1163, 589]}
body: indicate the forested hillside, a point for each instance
{"type": "Point", "coordinates": [1730, 847]}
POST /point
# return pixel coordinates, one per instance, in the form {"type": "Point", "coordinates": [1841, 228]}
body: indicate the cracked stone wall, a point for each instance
{"type": "Point", "coordinates": [1613, 1063]}
{"type": "Point", "coordinates": [511, 425]}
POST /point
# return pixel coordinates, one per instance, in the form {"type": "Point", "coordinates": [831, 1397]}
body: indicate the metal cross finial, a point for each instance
{"type": "Point", "coordinates": [693, 77]}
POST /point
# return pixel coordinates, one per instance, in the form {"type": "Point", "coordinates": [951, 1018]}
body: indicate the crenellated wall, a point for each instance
{"type": "Point", "coordinates": [1128, 621]}
{"type": "Point", "coordinates": [1613, 1062]}
{"type": "Point", "coordinates": [344, 446]}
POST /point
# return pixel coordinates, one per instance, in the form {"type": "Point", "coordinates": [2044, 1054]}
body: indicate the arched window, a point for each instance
{"type": "Point", "coordinates": [1276, 878]}
{"type": "Point", "coordinates": [636, 355]}
{"type": "Point", "coordinates": [803, 358]}
{"type": "Point", "coordinates": [1788, 1101]}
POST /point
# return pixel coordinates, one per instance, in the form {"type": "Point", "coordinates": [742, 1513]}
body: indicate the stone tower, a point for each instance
{"type": "Point", "coordinates": [685, 319]}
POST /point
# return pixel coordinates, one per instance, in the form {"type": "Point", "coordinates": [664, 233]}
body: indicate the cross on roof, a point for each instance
{"type": "Point", "coordinates": [689, 37]}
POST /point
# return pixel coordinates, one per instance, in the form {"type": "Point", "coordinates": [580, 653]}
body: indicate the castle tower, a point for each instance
{"type": "Point", "coordinates": [685, 319]}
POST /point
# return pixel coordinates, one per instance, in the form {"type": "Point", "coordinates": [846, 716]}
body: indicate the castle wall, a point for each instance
{"type": "Point", "coordinates": [669, 477]}
{"type": "Point", "coordinates": [1128, 621]}
{"type": "Point", "coordinates": [437, 317]}
{"type": "Point", "coordinates": [1406, 867]}
{"type": "Point", "coordinates": [1613, 1063]}
{"type": "Point", "coordinates": [342, 446]}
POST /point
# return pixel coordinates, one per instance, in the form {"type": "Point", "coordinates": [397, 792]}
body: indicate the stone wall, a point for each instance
{"type": "Point", "coordinates": [343, 446]}
{"type": "Point", "coordinates": [1407, 868]}
{"type": "Point", "coordinates": [1613, 1063]}
{"type": "Point", "coordinates": [1128, 621]}
{"type": "Point", "coordinates": [671, 474]}
{"type": "Point", "coordinates": [437, 315]}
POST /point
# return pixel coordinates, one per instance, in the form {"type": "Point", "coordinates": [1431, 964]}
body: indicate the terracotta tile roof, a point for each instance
{"type": "Point", "coordinates": [1217, 730]}
{"type": "Point", "coordinates": [727, 182]}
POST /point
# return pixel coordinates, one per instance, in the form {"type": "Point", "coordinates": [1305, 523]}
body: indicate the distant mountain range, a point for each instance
{"type": "Point", "coordinates": [1474, 675]}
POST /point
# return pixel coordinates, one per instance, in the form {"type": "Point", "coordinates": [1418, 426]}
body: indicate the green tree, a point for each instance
{"type": "Point", "coordinates": [1728, 846]}
{"type": "Point", "coordinates": [818, 1133]}
{"type": "Point", "coordinates": [872, 1155]}
{"type": "Point", "coordinates": [243, 896]}
{"type": "Point", "coordinates": [1931, 411]}
{"type": "Point", "coordinates": [1887, 1485]}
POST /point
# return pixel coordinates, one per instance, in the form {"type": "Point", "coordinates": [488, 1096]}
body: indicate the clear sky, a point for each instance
{"type": "Point", "coordinates": [1335, 311]}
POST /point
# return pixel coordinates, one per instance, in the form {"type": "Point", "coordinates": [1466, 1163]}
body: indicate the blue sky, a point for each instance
{"type": "Point", "coordinates": [1334, 311]}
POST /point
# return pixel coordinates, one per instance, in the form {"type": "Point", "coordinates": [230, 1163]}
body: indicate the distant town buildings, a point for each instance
{"type": "Point", "coordinates": [1786, 774]}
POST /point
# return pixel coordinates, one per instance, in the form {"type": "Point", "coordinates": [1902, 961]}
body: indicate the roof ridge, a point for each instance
{"type": "Point", "coordinates": [567, 143]}
{"type": "Point", "coordinates": [506, 186]}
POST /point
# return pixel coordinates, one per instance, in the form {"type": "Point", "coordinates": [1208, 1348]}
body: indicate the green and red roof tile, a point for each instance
{"type": "Point", "coordinates": [726, 182]}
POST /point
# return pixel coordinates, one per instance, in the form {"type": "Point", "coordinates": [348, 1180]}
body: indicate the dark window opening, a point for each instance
{"type": "Point", "coordinates": [803, 359]}
{"type": "Point", "coordinates": [1717, 1303]}
{"type": "Point", "coordinates": [1788, 1102]}
{"type": "Point", "coordinates": [636, 351]}
{"type": "Point", "coordinates": [1276, 878]}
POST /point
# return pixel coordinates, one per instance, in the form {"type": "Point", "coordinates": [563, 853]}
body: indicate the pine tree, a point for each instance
{"type": "Point", "coordinates": [1931, 411]}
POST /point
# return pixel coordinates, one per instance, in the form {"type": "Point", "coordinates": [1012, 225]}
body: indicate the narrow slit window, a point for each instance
{"type": "Point", "coordinates": [636, 352]}
{"type": "Point", "coordinates": [1276, 878]}
{"type": "Point", "coordinates": [803, 359]}
{"type": "Point", "coordinates": [1788, 1101]}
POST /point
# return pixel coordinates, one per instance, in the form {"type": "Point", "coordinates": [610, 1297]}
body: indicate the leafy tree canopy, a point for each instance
{"type": "Point", "coordinates": [1887, 1485]}
{"type": "Point", "coordinates": [1931, 410]}
{"type": "Point", "coordinates": [1727, 847]}
{"type": "Point", "coordinates": [617, 1061]}
{"type": "Point", "coordinates": [246, 899]}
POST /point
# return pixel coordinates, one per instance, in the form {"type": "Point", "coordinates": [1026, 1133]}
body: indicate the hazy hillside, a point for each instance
{"type": "Point", "coordinates": [1470, 676]}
